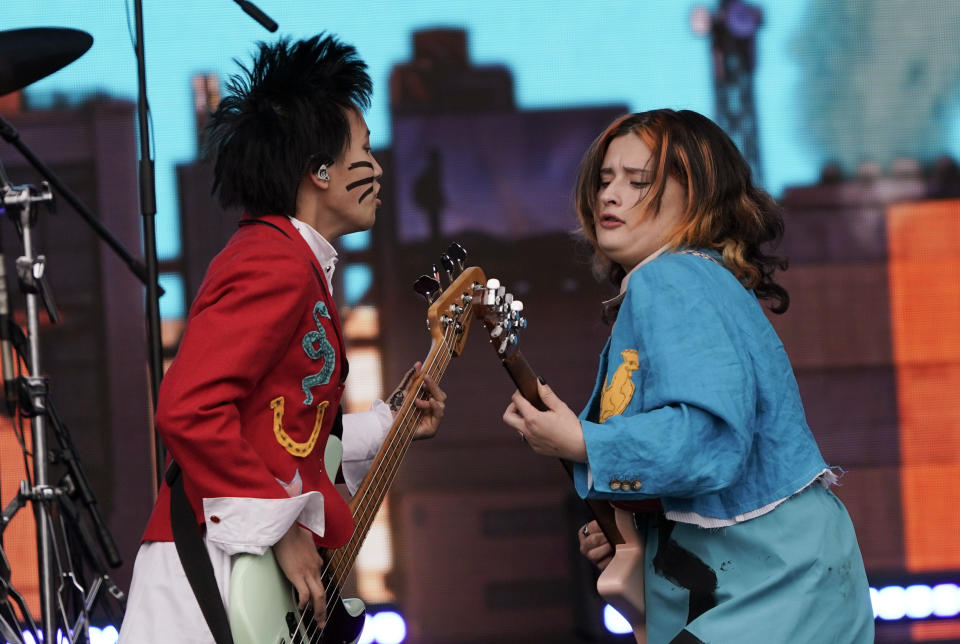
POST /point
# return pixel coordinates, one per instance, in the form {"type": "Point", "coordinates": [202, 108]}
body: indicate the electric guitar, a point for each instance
{"type": "Point", "coordinates": [262, 606]}
{"type": "Point", "coordinates": [621, 582]}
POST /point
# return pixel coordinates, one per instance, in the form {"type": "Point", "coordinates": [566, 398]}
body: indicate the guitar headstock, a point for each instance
{"type": "Point", "coordinates": [448, 317]}
{"type": "Point", "coordinates": [502, 316]}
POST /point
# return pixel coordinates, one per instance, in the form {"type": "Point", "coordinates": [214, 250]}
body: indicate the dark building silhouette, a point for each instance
{"type": "Point", "coordinates": [441, 79]}
{"type": "Point", "coordinates": [205, 227]}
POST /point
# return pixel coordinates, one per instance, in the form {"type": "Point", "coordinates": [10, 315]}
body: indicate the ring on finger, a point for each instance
{"type": "Point", "coordinates": [585, 530]}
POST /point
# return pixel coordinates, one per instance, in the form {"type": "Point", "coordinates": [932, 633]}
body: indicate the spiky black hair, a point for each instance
{"type": "Point", "coordinates": [284, 116]}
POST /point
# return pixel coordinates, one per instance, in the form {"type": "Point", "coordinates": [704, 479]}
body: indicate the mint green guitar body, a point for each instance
{"type": "Point", "coordinates": [263, 607]}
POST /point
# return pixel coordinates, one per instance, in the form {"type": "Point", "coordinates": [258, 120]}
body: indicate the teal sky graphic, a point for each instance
{"type": "Point", "coordinates": [561, 53]}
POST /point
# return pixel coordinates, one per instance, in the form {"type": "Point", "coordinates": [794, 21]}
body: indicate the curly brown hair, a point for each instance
{"type": "Point", "coordinates": [724, 210]}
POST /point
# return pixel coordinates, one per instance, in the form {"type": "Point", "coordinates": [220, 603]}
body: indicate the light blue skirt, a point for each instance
{"type": "Point", "coordinates": [791, 576]}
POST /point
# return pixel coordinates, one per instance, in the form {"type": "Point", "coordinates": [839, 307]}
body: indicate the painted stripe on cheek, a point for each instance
{"type": "Point", "coordinates": [358, 183]}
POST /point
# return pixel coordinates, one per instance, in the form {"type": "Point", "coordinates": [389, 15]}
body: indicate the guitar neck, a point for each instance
{"type": "Point", "coordinates": [368, 498]}
{"type": "Point", "coordinates": [525, 379]}
{"type": "Point", "coordinates": [448, 319]}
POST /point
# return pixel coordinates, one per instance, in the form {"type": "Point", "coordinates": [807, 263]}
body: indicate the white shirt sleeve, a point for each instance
{"type": "Point", "coordinates": [236, 525]}
{"type": "Point", "coordinates": [363, 434]}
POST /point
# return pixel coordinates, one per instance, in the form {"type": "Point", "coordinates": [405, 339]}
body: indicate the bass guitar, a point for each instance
{"type": "Point", "coordinates": [263, 605]}
{"type": "Point", "coordinates": [621, 583]}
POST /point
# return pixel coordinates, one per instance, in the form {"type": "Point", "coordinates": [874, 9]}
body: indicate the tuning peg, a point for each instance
{"type": "Point", "coordinates": [458, 254]}
{"type": "Point", "coordinates": [436, 272]}
{"type": "Point", "coordinates": [516, 308]}
{"type": "Point", "coordinates": [490, 295]}
{"type": "Point", "coordinates": [448, 266]}
{"type": "Point", "coordinates": [427, 287]}
{"type": "Point", "coordinates": [510, 339]}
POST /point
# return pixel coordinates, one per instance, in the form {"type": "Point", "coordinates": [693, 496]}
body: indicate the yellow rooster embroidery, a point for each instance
{"type": "Point", "coordinates": [617, 395]}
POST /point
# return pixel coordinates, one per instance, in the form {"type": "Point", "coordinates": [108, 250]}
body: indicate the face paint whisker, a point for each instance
{"type": "Point", "coordinates": [360, 164]}
{"type": "Point", "coordinates": [358, 183]}
{"type": "Point", "coordinates": [364, 195]}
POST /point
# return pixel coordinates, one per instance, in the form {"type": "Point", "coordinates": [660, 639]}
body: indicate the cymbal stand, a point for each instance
{"type": "Point", "coordinates": [30, 269]}
{"type": "Point", "coordinates": [20, 203]}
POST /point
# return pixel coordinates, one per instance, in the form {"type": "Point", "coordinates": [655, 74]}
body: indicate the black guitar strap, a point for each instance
{"type": "Point", "coordinates": [195, 559]}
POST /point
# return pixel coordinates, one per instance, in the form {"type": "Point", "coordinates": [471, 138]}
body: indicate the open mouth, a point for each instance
{"type": "Point", "coordinates": [610, 220]}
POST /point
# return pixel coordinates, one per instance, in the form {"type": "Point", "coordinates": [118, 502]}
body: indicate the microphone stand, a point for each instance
{"type": "Point", "coordinates": [254, 12]}
{"type": "Point", "coordinates": [148, 211]}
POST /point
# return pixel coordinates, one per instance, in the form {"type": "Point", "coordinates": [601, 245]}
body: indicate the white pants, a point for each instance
{"type": "Point", "coordinates": [161, 607]}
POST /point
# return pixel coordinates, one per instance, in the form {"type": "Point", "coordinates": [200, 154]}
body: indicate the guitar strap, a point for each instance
{"type": "Point", "coordinates": [195, 559]}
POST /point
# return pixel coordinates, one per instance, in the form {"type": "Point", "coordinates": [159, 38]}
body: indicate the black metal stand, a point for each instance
{"type": "Point", "coordinates": [19, 201]}
{"type": "Point", "coordinates": [64, 547]}
{"type": "Point", "coordinates": [148, 212]}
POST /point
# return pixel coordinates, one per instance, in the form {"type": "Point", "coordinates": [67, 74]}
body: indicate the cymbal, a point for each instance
{"type": "Point", "coordinates": [27, 55]}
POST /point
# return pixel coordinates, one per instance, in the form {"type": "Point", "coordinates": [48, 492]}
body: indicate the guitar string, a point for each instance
{"type": "Point", "coordinates": [444, 354]}
{"type": "Point", "coordinates": [340, 557]}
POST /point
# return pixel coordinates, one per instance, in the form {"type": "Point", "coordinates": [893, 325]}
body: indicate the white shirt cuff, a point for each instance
{"type": "Point", "coordinates": [237, 524]}
{"type": "Point", "coordinates": [363, 434]}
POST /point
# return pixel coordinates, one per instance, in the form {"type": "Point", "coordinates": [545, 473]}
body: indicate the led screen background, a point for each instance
{"type": "Point", "coordinates": [842, 83]}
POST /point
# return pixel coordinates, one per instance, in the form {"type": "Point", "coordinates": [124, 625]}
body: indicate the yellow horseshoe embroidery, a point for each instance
{"type": "Point", "coordinates": [293, 447]}
{"type": "Point", "coordinates": [618, 394]}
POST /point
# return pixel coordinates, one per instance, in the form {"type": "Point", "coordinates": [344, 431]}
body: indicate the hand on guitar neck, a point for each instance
{"type": "Point", "coordinates": [555, 431]}
{"type": "Point", "coordinates": [430, 402]}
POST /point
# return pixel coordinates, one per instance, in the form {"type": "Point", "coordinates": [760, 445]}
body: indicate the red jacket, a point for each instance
{"type": "Point", "coordinates": [253, 392]}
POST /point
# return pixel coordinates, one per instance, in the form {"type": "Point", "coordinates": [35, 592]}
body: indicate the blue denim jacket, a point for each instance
{"type": "Point", "coordinates": [695, 401]}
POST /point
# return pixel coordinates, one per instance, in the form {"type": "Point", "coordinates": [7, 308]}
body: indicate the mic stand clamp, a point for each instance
{"type": "Point", "coordinates": [33, 395]}
{"type": "Point", "coordinates": [32, 274]}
